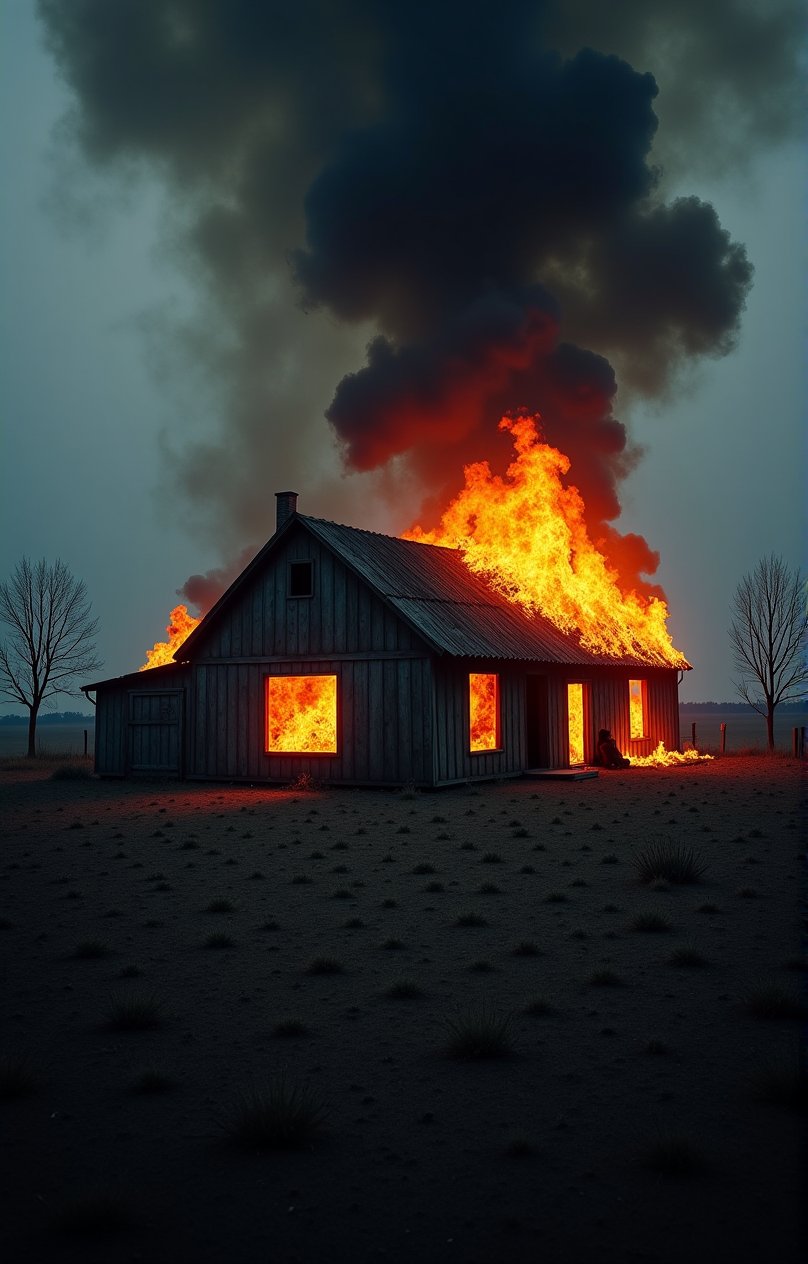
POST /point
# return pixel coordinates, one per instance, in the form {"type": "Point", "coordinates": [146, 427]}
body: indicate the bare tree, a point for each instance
{"type": "Point", "coordinates": [51, 636]}
{"type": "Point", "coordinates": [768, 637]}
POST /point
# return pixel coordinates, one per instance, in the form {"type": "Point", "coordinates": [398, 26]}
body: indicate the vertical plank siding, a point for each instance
{"type": "Point", "coordinates": [402, 711]}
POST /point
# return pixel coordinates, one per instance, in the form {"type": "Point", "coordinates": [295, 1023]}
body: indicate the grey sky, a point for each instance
{"type": "Point", "coordinates": [100, 410]}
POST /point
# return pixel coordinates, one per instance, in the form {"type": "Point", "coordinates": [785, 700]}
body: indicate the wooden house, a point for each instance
{"type": "Point", "coordinates": [366, 660]}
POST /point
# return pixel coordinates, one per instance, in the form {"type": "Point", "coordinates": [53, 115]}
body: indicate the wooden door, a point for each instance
{"type": "Point", "coordinates": [155, 732]}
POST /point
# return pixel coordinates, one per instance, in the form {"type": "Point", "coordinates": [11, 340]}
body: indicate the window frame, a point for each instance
{"type": "Point", "coordinates": [299, 561]}
{"type": "Point", "coordinates": [643, 683]}
{"type": "Point", "coordinates": [486, 750]}
{"type": "Point", "coordinates": [269, 677]}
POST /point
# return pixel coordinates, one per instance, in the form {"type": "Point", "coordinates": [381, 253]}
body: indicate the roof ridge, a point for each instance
{"type": "Point", "coordinates": [380, 535]}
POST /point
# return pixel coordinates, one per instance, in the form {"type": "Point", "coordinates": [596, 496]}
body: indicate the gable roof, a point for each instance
{"type": "Point", "coordinates": [435, 593]}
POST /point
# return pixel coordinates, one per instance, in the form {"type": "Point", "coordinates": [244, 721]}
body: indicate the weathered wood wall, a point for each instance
{"type": "Point", "coordinates": [342, 617]}
{"type": "Point", "coordinates": [384, 709]}
{"type": "Point", "coordinates": [606, 706]}
{"type": "Point", "coordinates": [453, 760]}
{"type": "Point", "coordinates": [119, 721]}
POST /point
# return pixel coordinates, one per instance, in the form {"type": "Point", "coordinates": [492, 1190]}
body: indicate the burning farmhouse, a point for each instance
{"type": "Point", "coordinates": [486, 649]}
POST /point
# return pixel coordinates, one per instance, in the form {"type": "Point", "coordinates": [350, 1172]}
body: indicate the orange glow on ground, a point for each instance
{"type": "Point", "coordinates": [526, 535]}
{"type": "Point", "coordinates": [636, 707]}
{"type": "Point", "coordinates": [301, 715]}
{"type": "Point", "coordinates": [483, 711]}
{"type": "Point", "coordinates": [662, 758]}
{"type": "Point", "coordinates": [575, 711]}
{"type": "Point", "coordinates": [180, 625]}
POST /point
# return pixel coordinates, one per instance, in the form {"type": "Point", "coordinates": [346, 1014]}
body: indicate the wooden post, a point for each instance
{"type": "Point", "coordinates": [693, 734]}
{"type": "Point", "coordinates": [798, 742]}
{"type": "Point", "coordinates": [85, 742]}
{"type": "Point", "coordinates": [723, 738]}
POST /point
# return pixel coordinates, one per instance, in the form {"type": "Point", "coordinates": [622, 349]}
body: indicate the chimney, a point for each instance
{"type": "Point", "coordinates": [285, 507]}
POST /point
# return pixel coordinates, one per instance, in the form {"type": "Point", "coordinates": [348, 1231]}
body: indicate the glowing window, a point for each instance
{"type": "Point", "coordinates": [637, 706]}
{"type": "Point", "coordinates": [575, 722]}
{"type": "Point", "coordinates": [301, 715]}
{"type": "Point", "coordinates": [483, 711]}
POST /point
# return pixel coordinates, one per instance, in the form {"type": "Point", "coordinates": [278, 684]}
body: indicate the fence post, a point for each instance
{"type": "Point", "coordinates": [723, 738]}
{"type": "Point", "coordinates": [693, 734]}
{"type": "Point", "coordinates": [798, 742]}
{"type": "Point", "coordinates": [85, 742]}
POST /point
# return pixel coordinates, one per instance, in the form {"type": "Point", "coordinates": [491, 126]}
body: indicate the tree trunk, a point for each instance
{"type": "Point", "coordinates": [34, 711]}
{"type": "Point", "coordinates": [770, 727]}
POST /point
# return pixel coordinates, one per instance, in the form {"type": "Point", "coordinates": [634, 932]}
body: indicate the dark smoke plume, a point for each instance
{"type": "Point", "coordinates": [475, 195]}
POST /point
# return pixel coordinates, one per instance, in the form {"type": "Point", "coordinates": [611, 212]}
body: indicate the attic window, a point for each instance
{"type": "Point", "coordinates": [301, 579]}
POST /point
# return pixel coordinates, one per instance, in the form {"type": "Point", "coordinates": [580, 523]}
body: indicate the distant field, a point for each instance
{"type": "Point", "coordinates": [64, 738]}
{"type": "Point", "coordinates": [742, 730]}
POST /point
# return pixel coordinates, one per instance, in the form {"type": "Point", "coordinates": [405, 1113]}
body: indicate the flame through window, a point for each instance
{"type": "Point", "coordinates": [301, 715]}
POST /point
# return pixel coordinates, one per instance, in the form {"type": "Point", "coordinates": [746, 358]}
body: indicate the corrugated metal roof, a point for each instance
{"type": "Point", "coordinates": [453, 609]}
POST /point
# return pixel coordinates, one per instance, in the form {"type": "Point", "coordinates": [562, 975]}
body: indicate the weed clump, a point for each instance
{"type": "Point", "coordinates": [666, 861]}
{"type": "Point", "coordinates": [282, 1116]}
{"type": "Point", "coordinates": [478, 1033]}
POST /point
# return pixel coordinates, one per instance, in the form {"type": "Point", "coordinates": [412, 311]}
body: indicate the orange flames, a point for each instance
{"type": "Point", "coordinates": [526, 535]}
{"type": "Point", "coordinates": [662, 758]}
{"type": "Point", "coordinates": [636, 708]}
{"type": "Point", "coordinates": [575, 725]}
{"type": "Point", "coordinates": [484, 711]}
{"type": "Point", "coordinates": [301, 715]}
{"type": "Point", "coordinates": [180, 625]}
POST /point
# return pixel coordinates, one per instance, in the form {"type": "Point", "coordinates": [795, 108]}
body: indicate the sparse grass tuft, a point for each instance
{"type": "Point", "coordinates": [656, 1048]}
{"type": "Point", "coordinates": [478, 1033]}
{"type": "Point", "coordinates": [771, 1002]}
{"type": "Point", "coordinates": [288, 1028]}
{"type": "Point", "coordinates": [324, 965]}
{"type": "Point", "coordinates": [424, 869]}
{"type": "Point", "coordinates": [403, 990]}
{"type": "Point", "coordinates": [489, 888]}
{"type": "Point", "coordinates": [219, 940]}
{"type": "Point", "coordinates": [526, 948]}
{"type": "Point", "coordinates": [134, 1013]}
{"type": "Point", "coordinates": [283, 1116]}
{"type": "Point", "coordinates": [605, 978]}
{"type": "Point", "coordinates": [650, 923]}
{"type": "Point", "coordinates": [539, 1007]}
{"type": "Point", "coordinates": [76, 771]}
{"type": "Point", "coordinates": [470, 919]}
{"type": "Point", "coordinates": [669, 861]}
{"type": "Point", "coordinates": [491, 858]}
{"type": "Point", "coordinates": [219, 906]}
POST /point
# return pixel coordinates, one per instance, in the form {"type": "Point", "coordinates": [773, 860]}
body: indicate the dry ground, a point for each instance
{"type": "Point", "coordinates": [548, 1154]}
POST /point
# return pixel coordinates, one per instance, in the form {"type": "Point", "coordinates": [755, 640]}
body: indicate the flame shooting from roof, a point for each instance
{"type": "Point", "coordinates": [525, 534]}
{"type": "Point", "coordinates": [180, 625]}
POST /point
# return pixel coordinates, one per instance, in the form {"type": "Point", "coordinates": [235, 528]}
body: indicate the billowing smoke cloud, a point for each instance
{"type": "Point", "coordinates": [473, 195]}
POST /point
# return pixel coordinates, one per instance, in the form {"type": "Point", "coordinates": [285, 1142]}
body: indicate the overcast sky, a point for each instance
{"type": "Point", "coordinates": [127, 450]}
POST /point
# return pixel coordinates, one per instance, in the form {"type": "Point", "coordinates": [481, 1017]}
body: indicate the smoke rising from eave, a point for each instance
{"type": "Point", "coordinates": [481, 207]}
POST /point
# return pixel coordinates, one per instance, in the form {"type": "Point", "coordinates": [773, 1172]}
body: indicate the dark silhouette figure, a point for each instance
{"type": "Point", "coordinates": [609, 753]}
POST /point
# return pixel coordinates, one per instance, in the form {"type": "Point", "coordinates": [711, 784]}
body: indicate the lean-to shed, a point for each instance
{"type": "Point", "coordinates": [363, 659]}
